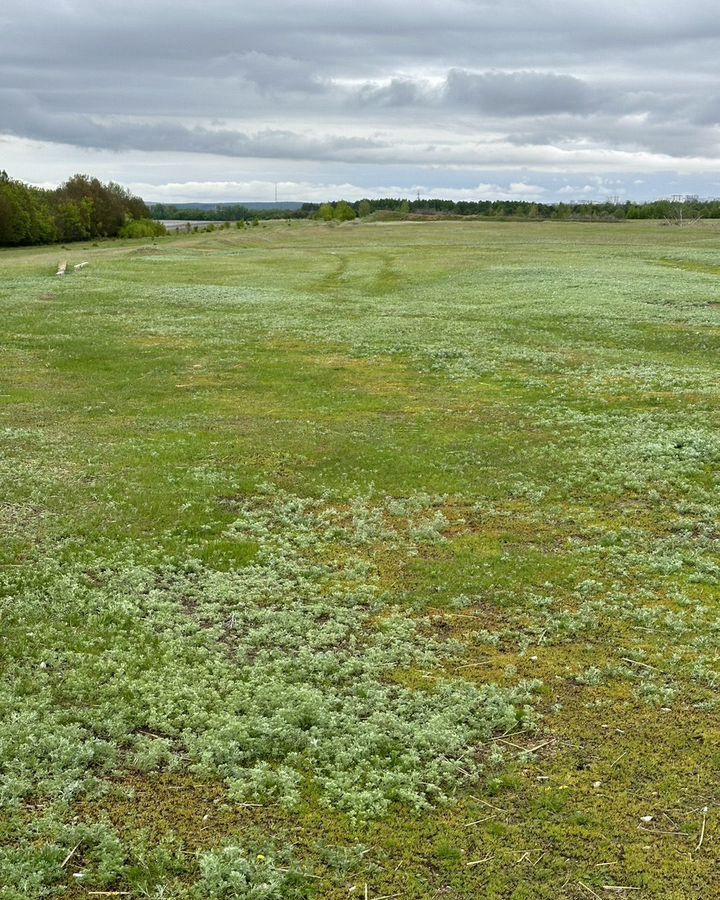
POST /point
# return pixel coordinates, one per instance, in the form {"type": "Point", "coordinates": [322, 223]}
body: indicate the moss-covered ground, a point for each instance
{"type": "Point", "coordinates": [362, 561]}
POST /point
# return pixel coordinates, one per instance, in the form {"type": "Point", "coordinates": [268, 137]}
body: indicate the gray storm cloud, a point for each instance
{"type": "Point", "coordinates": [23, 118]}
{"type": "Point", "coordinates": [519, 93]}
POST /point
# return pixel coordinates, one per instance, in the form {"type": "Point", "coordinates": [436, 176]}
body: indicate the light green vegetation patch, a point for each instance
{"type": "Point", "coordinates": [377, 555]}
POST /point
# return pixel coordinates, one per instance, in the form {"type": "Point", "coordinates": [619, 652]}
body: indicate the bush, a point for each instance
{"type": "Point", "coordinates": [231, 873]}
{"type": "Point", "coordinates": [142, 228]}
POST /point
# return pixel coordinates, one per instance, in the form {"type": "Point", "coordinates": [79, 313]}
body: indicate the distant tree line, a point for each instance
{"type": "Point", "coordinates": [396, 207]}
{"type": "Point", "coordinates": [81, 208]}
{"type": "Point", "coordinates": [223, 212]}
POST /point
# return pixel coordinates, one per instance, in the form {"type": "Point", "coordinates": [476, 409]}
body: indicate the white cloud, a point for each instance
{"type": "Point", "coordinates": [186, 192]}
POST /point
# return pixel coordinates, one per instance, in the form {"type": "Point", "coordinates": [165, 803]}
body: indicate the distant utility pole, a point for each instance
{"type": "Point", "coordinates": [276, 192]}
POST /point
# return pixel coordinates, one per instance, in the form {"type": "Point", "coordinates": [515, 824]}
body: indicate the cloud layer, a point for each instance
{"type": "Point", "coordinates": [462, 94]}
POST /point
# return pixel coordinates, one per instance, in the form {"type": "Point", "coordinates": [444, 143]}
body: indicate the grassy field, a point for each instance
{"type": "Point", "coordinates": [362, 561]}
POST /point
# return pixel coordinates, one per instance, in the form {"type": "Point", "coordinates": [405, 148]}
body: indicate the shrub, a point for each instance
{"type": "Point", "coordinates": [142, 228]}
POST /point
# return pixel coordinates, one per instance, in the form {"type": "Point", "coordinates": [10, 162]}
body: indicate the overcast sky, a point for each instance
{"type": "Point", "coordinates": [537, 99]}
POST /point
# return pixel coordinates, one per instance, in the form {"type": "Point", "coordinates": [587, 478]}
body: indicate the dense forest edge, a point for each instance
{"type": "Point", "coordinates": [84, 208]}
{"type": "Point", "coordinates": [81, 208]}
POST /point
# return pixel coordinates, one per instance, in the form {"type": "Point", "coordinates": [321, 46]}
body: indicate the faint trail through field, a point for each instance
{"type": "Point", "coordinates": [373, 274]}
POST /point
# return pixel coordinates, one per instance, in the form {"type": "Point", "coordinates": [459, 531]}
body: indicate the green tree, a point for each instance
{"type": "Point", "coordinates": [325, 213]}
{"type": "Point", "coordinates": [112, 205]}
{"type": "Point", "coordinates": [344, 212]}
{"type": "Point", "coordinates": [74, 219]}
{"type": "Point", "coordinates": [25, 214]}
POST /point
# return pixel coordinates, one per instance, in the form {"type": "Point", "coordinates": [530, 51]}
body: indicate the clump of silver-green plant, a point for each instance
{"type": "Point", "coordinates": [273, 676]}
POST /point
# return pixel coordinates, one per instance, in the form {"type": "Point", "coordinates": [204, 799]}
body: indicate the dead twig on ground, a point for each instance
{"type": "Point", "coordinates": [69, 856]}
{"type": "Point", "coordinates": [660, 831]}
{"type": "Point", "coordinates": [478, 821]}
{"type": "Point", "coordinates": [636, 662]}
{"type": "Point", "coordinates": [485, 803]}
{"type": "Point", "coordinates": [702, 830]}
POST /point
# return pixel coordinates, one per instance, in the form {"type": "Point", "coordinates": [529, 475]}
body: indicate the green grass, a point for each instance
{"type": "Point", "coordinates": [381, 557]}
